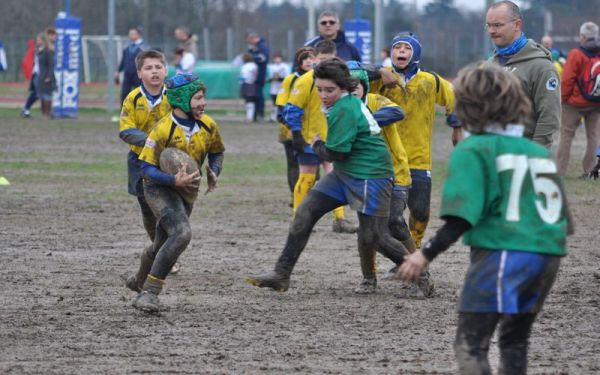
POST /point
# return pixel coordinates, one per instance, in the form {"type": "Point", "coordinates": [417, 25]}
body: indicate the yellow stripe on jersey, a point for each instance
{"type": "Point", "coordinates": [205, 138]}
{"type": "Point", "coordinates": [418, 99]}
{"type": "Point", "coordinates": [393, 141]}
{"type": "Point", "coordinates": [304, 95]}
{"type": "Point", "coordinates": [137, 114]}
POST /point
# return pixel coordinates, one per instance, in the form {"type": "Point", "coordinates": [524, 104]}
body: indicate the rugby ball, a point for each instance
{"type": "Point", "coordinates": [171, 161]}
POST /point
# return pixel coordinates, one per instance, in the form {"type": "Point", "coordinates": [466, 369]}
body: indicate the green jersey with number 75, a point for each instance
{"type": "Point", "coordinates": [508, 189]}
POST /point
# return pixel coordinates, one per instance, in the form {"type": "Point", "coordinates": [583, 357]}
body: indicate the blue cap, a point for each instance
{"type": "Point", "coordinates": [411, 39]}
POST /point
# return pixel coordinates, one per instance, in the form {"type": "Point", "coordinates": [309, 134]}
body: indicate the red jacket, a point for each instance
{"type": "Point", "coordinates": [570, 92]}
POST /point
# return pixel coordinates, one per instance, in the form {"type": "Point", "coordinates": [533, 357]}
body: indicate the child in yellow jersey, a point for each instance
{"type": "Point", "coordinates": [304, 116]}
{"type": "Point", "coordinates": [142, 109]}
{"type": "Point", "coordinates": [190, 130]}
{"type": "Point", "coordinates": [303, 62]}
{"type": "Point", "coordinates": [417, 92]}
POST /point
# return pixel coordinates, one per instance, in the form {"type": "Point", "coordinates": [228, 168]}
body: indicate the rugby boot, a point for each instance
{"type": "Point", "coordinates": [147, 300]}
{"type": "Point", "coordinates": [392, 274]}
{"type": "Point", "coordinates": [135, 282]}
{"type": "Point", "coordinates": [425, 284]}
{"type": "Point", "coordinates": [367, 286]}
{"type": "Point", "coordinates": [343, 226]}
{"type": "Point", "coordinates": [272, 279]}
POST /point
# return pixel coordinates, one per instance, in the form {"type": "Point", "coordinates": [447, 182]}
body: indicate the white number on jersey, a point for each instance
{"type": "Point", "coordinates": [520, 164]}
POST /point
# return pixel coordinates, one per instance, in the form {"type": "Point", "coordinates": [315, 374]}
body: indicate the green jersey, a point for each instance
{"type": "Point", "coordinates": [508, 189]}
{"type": "Point", "coordinates": [348, 131]}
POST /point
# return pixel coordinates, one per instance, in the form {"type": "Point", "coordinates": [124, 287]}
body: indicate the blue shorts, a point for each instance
{"type": "Point", "coordinates": [507, 282]}
{"type": "Point", "coordinates": [420, 175]}
{"type": "Point", "coordinates": [308, 158]}
{"type": "Point", "coordinates": [369, 197]}
{"type": "Point", "coordinates": [134, 172]}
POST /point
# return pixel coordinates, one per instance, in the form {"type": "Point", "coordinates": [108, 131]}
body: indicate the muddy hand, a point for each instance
{"type": "Point", "coordinates": [388, 78]}
{"type": "Point", "coordinates": [413, 266]}
{"type": "Point", "coordinates": [212, 180]}
{"type": "Point", "coordinates": [187, 181]}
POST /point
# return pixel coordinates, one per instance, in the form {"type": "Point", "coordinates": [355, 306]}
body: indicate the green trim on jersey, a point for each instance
{"type": "Point", "coordinates": [348, 131]}
{"type": "Point", "coordinates": [508, 189]}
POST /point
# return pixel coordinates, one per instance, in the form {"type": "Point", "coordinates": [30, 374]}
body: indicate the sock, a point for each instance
{"type": "Point", "coordinates": [250, 111]}
{"type": "Point", "coordinates": [417, 230]}
{"type": "Point", "coordinates": [305, 182]}
{"type": "Point", "coordinates": [338, 213]}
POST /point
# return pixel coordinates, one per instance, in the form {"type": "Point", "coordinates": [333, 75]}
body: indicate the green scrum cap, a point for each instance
{"type": "Point", "coordinates": [357, 71]}
{"type": "Point", "coordinates": [181, 88]}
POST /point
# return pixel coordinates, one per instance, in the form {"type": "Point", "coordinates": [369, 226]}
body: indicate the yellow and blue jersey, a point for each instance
{"type": "Point", "coordinates": [139, 115]}
{"type": "Point", "coordinates": [304, 102]}
{"type": "Point", "coordinates": [199, 141]}
{"type": "Point", "coordinates": [392, 139]}
{"type": "Point", "coordinates": [282, 97]}
{"type": "Point", "coordinates": [418, 98]}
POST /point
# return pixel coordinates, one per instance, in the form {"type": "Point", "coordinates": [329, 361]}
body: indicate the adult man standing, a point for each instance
{"type": "Point", "coordinates": [187, 40]}
{"type": "Point", "coordinates": [127, 65]}
{"type": "Point", "coordinates": [259, 50]}
{"type": "Point", "coordinates": [578, 101]}
{"type": "Point", "coordinates": [329, 29]}
{"type": "Point", "coordinates": [531, 63]}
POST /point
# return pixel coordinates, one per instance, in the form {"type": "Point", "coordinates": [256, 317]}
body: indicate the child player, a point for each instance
{"type": "Point", "coordinates": [189, 129]}
{"type": "Point", "coordinates": [303, 62]}
{"type": "Point", "coordinates": [503, 194]}
{"type": "Point", "coordinates": [417, 92]}
{"type": "Point", "coordinates": [362, 177]}
{"type": "Point", "coordinates": [142, 109]}
{"type": "Point", "coordinates": [305, 118]}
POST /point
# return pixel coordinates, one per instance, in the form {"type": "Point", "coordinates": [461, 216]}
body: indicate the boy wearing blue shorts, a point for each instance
{"type": "Point", "coordinates": [504, 195]}
{"type": "Point", "coordinates": [362, 177]}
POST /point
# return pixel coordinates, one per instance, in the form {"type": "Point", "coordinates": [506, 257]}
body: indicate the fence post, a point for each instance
{"type": "Point", "coordinates": [229, 37]}
{"type": "Point", "coordinates": [206, 39]}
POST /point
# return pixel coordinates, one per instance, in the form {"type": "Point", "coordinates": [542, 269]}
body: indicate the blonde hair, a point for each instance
{"type": "Point", "coordinates": [490, 95]}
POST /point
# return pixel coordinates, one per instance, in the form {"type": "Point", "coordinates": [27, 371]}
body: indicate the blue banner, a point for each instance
{"type": "Point", "coordinates": [65, 102]}
{"type": "Point", "coordinates": [358, 32]}
{"type": "Point", "coordinates": [2, 57]}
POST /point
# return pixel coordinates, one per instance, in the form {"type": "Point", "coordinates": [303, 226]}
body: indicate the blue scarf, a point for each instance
{"type": "Point", "coordinates": [512, 48]}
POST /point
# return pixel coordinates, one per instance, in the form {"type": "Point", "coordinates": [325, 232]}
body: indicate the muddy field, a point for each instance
{"type": "Point", "coordinates": [69, 231]}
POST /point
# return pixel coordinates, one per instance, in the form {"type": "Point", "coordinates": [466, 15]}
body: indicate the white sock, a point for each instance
{"type": "Point", "coordinates": [250, 111]}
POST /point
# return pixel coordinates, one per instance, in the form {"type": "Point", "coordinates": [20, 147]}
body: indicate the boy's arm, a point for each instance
{"type": "Point", "coordinates": [388, 112]}
{"type": "Point", "coordinates": [445, 97]}
{"type": "Point", "coordinates": [327, 154]}
{"type": "Point", "coordinates": [450, 232]}
{"type": "Point", "coordinates": [128, 131]}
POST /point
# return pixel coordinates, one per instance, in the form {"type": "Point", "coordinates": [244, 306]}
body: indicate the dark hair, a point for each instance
{"type": "Point", "coordinates": [149, 54]}
{"type": "Point", "coordinates": [490, 95]}
{"type": "Point", "coordinates": [325, 46]}
{"type": "Point", "coordinates": [302, 54]}
{"type": "Point", "coordinates": [50, 31]}
{"type": "Point", "coordinates": [337, 71]}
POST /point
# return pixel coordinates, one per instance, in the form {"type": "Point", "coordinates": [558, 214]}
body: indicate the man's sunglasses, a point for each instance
{"type": "Point", "coordinates": [332, 22]}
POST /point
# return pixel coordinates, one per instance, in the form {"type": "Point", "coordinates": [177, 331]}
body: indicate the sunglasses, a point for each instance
{"type": "Point", "coordinates": [332, 22]}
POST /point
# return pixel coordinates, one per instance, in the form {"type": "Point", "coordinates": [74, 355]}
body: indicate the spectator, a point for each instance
{"type": "Point", "coordinates": [549, 43]}
{"type": "Point", "coordinates": [46, 82]}
{"type": "Point", "coordinates": [278, 70]}
{"type": "Point", "coordinates": [531, 63]}
{"type": "Point", "coordinates": [127, 65]}
{"type": "Point", "coordinates": [248, 91]}
{"type": "Point", "coordinates": [187, 41]}
{"type": "Point", "coordinates": [32, 97]}
{"type": "Point", "coordinates": [259, 50]}
{"type": "Point", "coordinates": [578, 101]}
{"type": "Point", "coordinates": [386, 60]}
{"type": "Point", "coordinates": [184, 61]}
{"type": "Point", "coordinates": [329, 29]}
